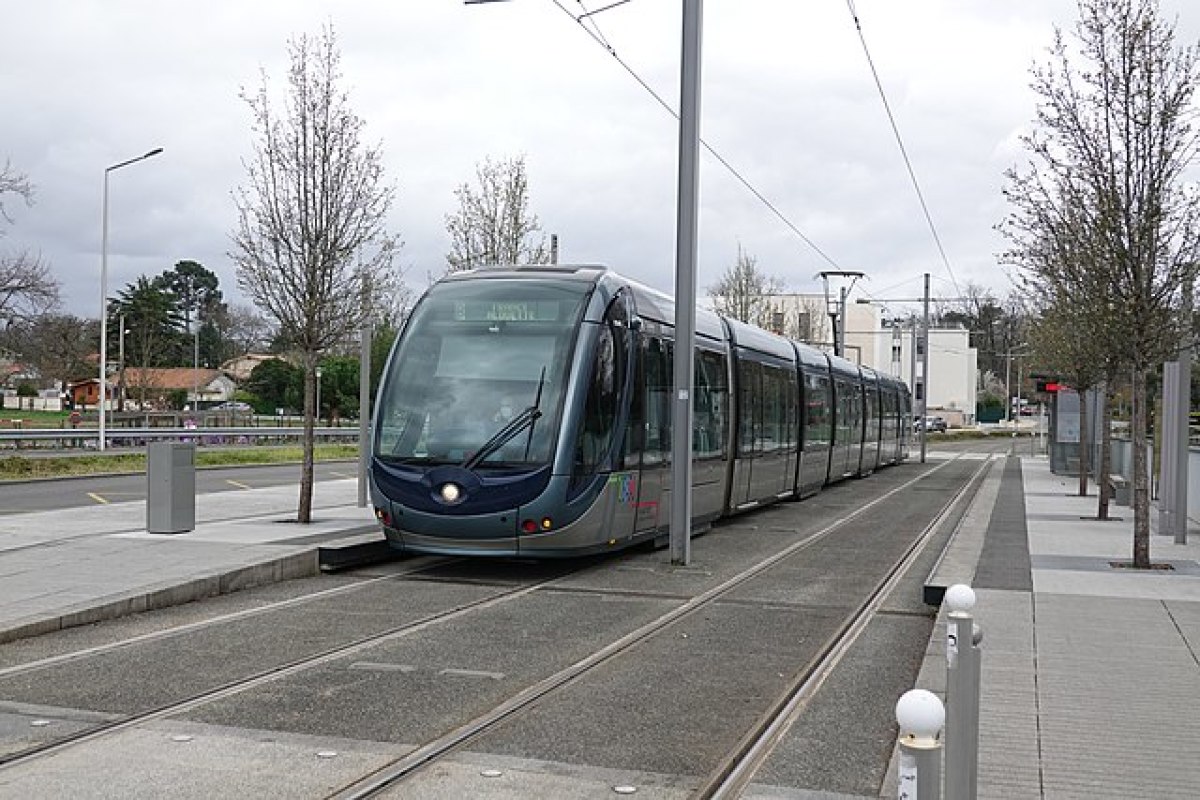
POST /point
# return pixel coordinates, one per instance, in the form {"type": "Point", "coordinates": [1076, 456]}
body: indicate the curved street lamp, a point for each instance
{"type": "Point", "coordinates": [104, 289]}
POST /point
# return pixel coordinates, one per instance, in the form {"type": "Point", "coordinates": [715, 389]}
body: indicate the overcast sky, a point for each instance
{"type": "Point", "coordinates": [788, 99]}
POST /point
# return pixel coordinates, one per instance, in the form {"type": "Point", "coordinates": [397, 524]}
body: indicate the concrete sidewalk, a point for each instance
{"type": "Point", "coordinates": [105, 565]}
{"type": "Point", "coordinates": [1091, 682]}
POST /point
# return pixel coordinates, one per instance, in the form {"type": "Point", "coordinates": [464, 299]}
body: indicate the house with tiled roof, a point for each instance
{"type": "Point", "coordinates": [152, 387]}
{"type": "Point", "coordinates": [240, 368]}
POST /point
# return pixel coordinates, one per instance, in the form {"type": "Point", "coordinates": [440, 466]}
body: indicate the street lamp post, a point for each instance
{"type": "Point", "coordinates": [104, 289]}
{"type": "Point", "coordinates": [196, 366]}
{"type": "Point", "coordinates": [1008, 395]}
{"type": "Point", "coordinates": [317, 414]}
{"type": "Point", "coordinates": [121, 365]}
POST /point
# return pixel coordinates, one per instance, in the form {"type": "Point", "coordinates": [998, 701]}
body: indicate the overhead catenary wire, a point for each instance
{"type": "Point", "coordinates": [903, 150]}
{"type": "Point", "coordinates": [600, 39]}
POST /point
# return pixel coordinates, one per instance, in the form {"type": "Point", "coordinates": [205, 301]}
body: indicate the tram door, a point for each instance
{"type": "Point", "coordinates": [649, 436]}
{"type": "Point", "coordinates": [600, 444]}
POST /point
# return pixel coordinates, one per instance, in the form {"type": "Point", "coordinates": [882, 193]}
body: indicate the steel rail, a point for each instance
{"type": "Point", "coordinates": [732, 777]}
{"type": "Point", "coordinates": [9, 760]}
{"type": "Point", "coordinates": [391, 774]}
{"type": "Point", "coordinates": [233, 616]}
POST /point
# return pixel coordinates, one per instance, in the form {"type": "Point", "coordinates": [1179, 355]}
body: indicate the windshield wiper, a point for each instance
{"type": "Point", "coordinates": [503, 436]}
{"type": "Point", "coordinates": [510, 431]}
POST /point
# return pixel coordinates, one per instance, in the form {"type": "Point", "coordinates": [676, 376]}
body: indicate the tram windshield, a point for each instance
{"type": "Point", "coordinates": [479, 374]}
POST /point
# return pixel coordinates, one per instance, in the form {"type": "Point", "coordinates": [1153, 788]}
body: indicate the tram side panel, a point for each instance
{"type": "Point", "coordinates": [816, 398]}
{"type": "Point", "coordinates": [712, 409]}
{"type": "Point", "coordinates": [766, 444]}
{"type": "Point", "coordinates": [847, 425]}
{"type": "Point", "coordinates": [768, 431]}
{"type": "Point", "coordinates": [869, 460]}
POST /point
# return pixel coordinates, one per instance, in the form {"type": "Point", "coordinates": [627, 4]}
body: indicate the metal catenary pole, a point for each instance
{"type": "Point", "coordinates": [1184, 420]}
{"type": "Point", "coordinates": [685, 285]}
{"type": "Point", "coordinates": [924, 384]}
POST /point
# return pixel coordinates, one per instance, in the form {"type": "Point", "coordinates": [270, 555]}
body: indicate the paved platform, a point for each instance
{"type": "Point", "coordinates": [81, 565]}
{"type": "Point", "coordinates": [1091, 678]}
{"type": "Point", "coordinates": [1091, 681]}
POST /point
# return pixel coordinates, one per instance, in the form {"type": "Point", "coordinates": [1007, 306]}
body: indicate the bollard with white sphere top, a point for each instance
{"type": "Point", "coordinates": [963, 663]}
{"type": "Point", "coordinates": [921, 716]}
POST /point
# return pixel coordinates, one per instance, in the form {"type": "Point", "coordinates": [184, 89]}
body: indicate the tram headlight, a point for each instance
{"type": "Point", "coordinates": [450, 493]}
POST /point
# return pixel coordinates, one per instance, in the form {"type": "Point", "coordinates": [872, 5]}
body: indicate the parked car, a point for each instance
{"type": "Point", "coordinates": [233, 405]}
{"type": "Point", "coordinates": [931, 424]}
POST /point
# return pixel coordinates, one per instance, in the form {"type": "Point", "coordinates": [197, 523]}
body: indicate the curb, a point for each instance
{"type": "Point", "coordinates": [296, 565]}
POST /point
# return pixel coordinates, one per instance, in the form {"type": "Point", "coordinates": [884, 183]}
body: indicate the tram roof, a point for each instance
{"type": "Point", "coordinates": [650, 303]}
{"type": "Point", "coordinates": [753, 338]}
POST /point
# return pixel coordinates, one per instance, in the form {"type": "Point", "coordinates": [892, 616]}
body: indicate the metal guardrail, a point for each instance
{"type": "Point", "coordinates": [86, 437]}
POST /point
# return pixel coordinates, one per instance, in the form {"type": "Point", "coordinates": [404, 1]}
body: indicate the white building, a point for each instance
{"type": "Point", "coordinates": [887, 347]}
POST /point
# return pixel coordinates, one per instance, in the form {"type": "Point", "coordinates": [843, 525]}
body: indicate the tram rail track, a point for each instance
{"type": "Point", "coordinates": [392, 774]}
{"type": "Point", "coordinates": [274, 673]}
{"type": "Point", "coordinates": [456, 739]}
{"type": "Point", "coordinates": [731, 778]}
{"type": "Point", "coordinates": [246, 613]}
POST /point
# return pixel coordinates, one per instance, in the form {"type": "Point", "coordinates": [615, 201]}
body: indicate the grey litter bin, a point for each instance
{"type": "Point", "coordinates": [170, 487]}
{"type": "Point", "coordinates": [1122, 491]}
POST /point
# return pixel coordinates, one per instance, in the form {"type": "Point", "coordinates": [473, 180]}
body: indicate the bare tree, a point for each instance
{"type": "Point", "coordinates": [1101, 216]}
{"type": "Point", "coordinates": [56, 345]}
{"type": "Point", "coordinates": [311, 218]}
{"type": "Point", "coordinates": [26, 286]}
{"type": "Point", "coordinates": [1060, 339]}
{"type": "Point", "coordinates": [247, 330]}
{"type": "Point", "coordinates": [493, 224]}
{"type": "Point", "coordinates": [13, 182]}
{"type": "Point", "coordinates": [744, 292]}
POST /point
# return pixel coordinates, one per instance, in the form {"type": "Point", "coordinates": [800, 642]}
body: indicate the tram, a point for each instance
{"type": "Point", "coordinates": [526, 411]}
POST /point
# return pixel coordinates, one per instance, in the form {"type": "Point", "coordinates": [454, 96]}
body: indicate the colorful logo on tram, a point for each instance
{"type": "Point", "coordinates": [626, 486]}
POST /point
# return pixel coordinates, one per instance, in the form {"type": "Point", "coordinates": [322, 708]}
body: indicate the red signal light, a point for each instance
{"type": "Point", "coordinates": [1051, 387]}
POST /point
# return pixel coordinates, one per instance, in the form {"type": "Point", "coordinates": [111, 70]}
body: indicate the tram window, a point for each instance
{"type": "Point", "coordinates": [872, 412]}
{"type": "Point", "coordinates": [841, 421]}
{"type": "Point", "coordinates": [817, 421]}
{"type": "Point", "coordinates": [774, 398]}
{"type": "Point", "coordinates": [710, 405]}
{"type": "Point", "coordinates": [791, 405]}
{"type": "Point", "coordinates": [604, 393]}
{"type": "Point", "coordinates": [750, 410]}
{"type": "Point", "coordinates": [635, 433]}
{"type": "Point", "coordinates": [856, 413]}
{"type": "Point", "coordinates": [658, 398]}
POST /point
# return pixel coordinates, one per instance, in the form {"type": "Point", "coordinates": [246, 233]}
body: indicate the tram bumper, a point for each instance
{"type": "Point", "coordinates": [484, 535]}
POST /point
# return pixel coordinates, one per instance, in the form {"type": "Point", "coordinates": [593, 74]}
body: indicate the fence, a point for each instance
{"type": "Point", "coordinates": [73, 438]}
{"type": "Point", "coordinates": [11, 401]}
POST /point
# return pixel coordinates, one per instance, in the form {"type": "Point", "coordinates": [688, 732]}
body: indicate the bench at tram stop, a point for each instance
{"type": "Point", "coordinates": [1121, 490]}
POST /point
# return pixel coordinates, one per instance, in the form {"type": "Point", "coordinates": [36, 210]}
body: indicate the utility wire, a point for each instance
{"type": "Point", "coordinates": [603, 42]}
{"type": "Point", "coordinates": [899, 141]}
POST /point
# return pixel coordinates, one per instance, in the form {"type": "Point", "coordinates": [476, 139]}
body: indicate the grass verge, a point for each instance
{"type": "Point", "coordinates": [17, 467]}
